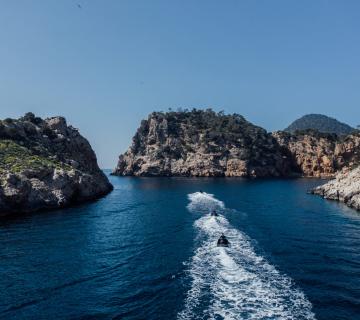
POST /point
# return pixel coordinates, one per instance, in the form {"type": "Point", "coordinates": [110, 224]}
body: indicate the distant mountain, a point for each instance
{"type": "Point", "coordinates": [321, 123]}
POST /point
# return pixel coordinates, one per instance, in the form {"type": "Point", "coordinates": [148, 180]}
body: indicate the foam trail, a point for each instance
{"type": "Point", "coordinates": [235, 283]}
{"type": "Point", "coordinates": [202, 202]}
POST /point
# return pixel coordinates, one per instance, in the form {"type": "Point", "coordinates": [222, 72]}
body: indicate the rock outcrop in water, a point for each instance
{"type": "Point", "coordinates": [205, 143]}
{"type": "Point", "coordinates": [202, 143]}
{"type": "Point", "coordinates": [345, 188]}
{"type": "Point", "coordinates": [321, 155]}
{"type": "Point", "coordinates": [46, 164]}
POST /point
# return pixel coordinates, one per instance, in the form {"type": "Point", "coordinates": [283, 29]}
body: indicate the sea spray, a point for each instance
{"type": "Point", "coordinates": [201, 202]}
{"type": "Point", "coordinates": [236, 282]}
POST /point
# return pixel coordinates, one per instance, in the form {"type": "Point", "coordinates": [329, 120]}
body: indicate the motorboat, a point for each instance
{"type": "Point", "coordinates": [223, 241]}
{"type": "Point", "coordinates": [214, 213]}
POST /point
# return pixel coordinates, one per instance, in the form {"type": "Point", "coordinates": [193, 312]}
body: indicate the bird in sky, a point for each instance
{"type": "Point", "coordinates": [79, 6]}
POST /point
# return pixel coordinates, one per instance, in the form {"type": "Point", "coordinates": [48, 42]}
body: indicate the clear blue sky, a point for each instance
{"type": "Point", "coordinates": [105, 66]}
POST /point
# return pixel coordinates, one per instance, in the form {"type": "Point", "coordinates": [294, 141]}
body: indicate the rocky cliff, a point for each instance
{"type": "Point", "coordinates": [321, 155]}
{"type": "Point", "coordinates": [46, 164]}
{"type": "Point", "coordinates": [205, 143]}
{"type": "Point", "coordinates": [202, 143]}
{"type": "Point", "coordinates": [345, 188]}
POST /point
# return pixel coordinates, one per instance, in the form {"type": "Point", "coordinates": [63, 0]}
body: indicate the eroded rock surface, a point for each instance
{"type": "Point", "coordinates": [345, 188]}
{"type": "Point", "coordinates": [319, 154]}
{"type": "Point", "coordinates": [205, 143]}
{"type": "Point", "coordinates": [202, 143]}
{"type": "Point", "coordinates": [46, 164]}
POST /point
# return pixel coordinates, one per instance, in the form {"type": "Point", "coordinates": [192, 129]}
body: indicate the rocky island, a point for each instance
{"type": "Point", "coordinates": [46, 164]}
{"type": "Point", "coordinates": [202, 143]}
{"type": "Point", "coordinates": [206, 143]}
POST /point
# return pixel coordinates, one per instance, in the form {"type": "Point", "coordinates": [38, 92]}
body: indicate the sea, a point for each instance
{"type": "Point", "coordinates": [148, 250]}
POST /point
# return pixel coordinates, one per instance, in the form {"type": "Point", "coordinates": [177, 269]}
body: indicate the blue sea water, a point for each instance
{"type": "Point", "coordinates": [148, 251]}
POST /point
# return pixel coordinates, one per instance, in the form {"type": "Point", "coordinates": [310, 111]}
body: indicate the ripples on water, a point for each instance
{"type": "Point", "coordinates": [148, 251]}
{"type": "Point", "coordinates": [235, 283]}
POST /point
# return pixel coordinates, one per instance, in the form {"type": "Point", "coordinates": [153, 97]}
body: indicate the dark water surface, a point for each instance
{"type": "Point", "coordinates": [148, 251]}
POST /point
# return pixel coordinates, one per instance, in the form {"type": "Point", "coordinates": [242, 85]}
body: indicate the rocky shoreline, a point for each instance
{"type": "Point", "coordinates": [46, 164]}
{"type": "Point", "coordinates": [344, 188]}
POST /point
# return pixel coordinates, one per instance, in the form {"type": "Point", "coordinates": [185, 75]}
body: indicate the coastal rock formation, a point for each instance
{"type": "Point", "coordinates": [321, 155]}
{"type": "Point", "coordinates": [321, 123]}
{"type": "Point", "coordinates": [202, 143]}
{"type": "Point", "coordinates": [46, 164]}
{"type": "Point", "coordinates": [345, 188]}
{"type": "Point", "coordinates": [205, 143]}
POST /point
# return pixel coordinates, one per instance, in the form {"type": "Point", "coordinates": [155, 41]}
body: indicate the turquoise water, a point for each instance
{"type": "Point", "coordinates": [148, 251]}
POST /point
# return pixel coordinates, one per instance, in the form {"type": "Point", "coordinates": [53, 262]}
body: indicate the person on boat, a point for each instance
{"type": "Point", "coordinates": [214, 213]}
{"type": "Point", "coordinates": [223, 242]}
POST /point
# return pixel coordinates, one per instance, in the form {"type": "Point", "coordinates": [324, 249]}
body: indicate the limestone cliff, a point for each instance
{"type": "Point", "coordinates": [202, 143]}
{"type": "Point", "coordinates": [46, 164]}
{"type": "Point", "coordinates": [205, 143]}
{"type": "Point", "coordinates": [345, 188]}
{"type": "Point", "coordinates": [320, 154]}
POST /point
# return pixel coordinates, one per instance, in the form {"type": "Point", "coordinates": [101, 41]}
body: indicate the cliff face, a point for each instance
{"type": "Point", "coordinates": [321, 155]}
{"type": "Point", "coordinates": [202, 143]}
{"type": "Point", "coordinates": [46, 164]}
{"type": "Point", "coordinates": [205, 143]}
{"type": "Point", "coordinates": [345, 188]}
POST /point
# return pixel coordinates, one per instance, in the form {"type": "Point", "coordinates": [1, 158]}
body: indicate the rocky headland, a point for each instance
{"type": "Point", "coordinates": [202, 143]}
{"type": "Point", "coordinates": [345, 188]}
{"type": "Point", "coordinates": [206, 143]}
{"type": "Point", "coordinates": [46, 164]}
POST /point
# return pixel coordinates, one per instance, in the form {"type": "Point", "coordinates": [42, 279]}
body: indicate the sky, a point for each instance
{"type": "Point", "coordinates": [105, 65]}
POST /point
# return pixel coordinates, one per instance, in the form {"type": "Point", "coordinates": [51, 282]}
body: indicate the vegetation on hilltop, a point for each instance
{"type": "Point", "coordinates": [320, 123]}
{"type": "Point", "coordinates": [213, 125]}
{"type": "Point", "coordinates": [16, 158]}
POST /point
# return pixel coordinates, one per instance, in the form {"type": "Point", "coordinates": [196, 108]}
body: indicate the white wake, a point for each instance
{"type": "Point", "coordinates": [235, 283]}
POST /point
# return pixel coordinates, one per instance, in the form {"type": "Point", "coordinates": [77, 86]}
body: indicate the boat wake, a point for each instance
{"type": "Point", "coordinates": [235, 283]}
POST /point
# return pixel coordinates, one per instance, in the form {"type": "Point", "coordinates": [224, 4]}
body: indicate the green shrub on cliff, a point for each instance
{"type": "Point", "coordinates": [16, 158]}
